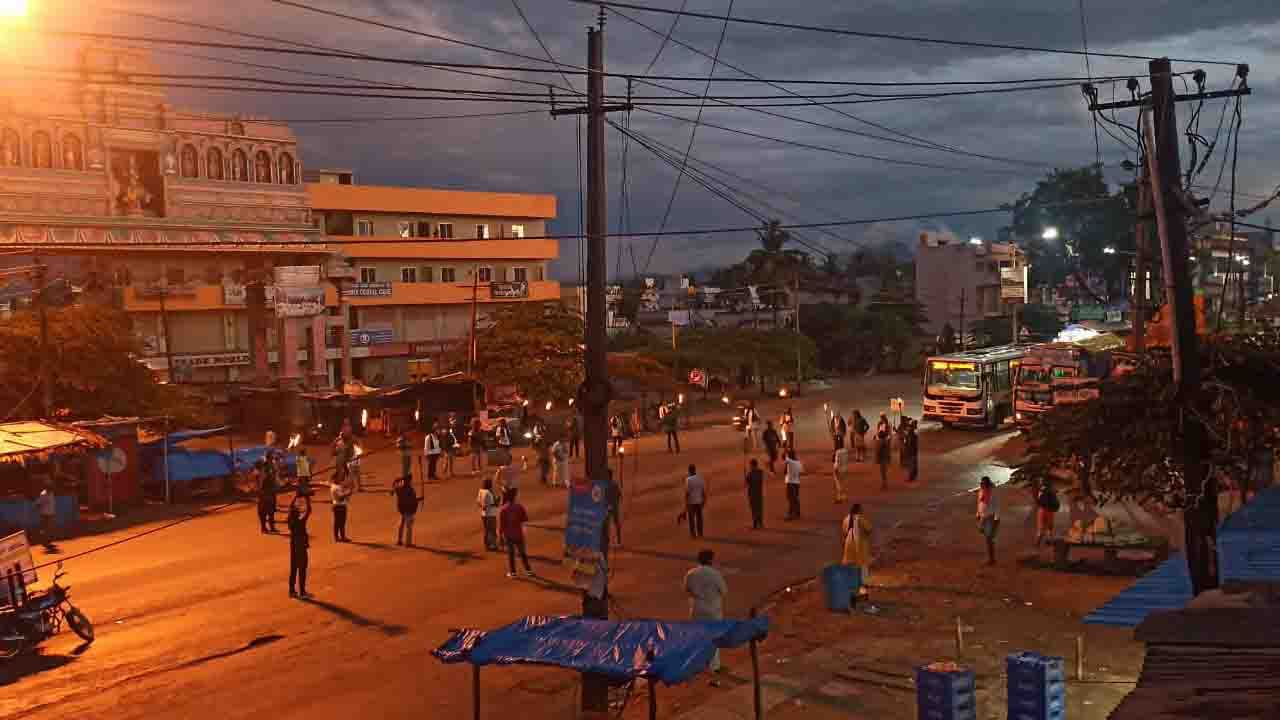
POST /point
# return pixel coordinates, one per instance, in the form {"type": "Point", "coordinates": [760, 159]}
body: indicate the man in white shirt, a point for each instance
{"type": "Point", "coordinates": [793, 469]}
{"type": "Point", "coordinates": [433, 451]}
{"type": "Point", "coordinates": [695, 496]}
{"type": "Point", "coordinates": [706, 589]}
{"type": "Point", "coordinates": [47, 508]}
{"type": "Point", "coordinates": [487, 501]}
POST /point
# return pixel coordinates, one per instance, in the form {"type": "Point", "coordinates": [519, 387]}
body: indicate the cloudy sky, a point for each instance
{"type": "Point", "coordinates": [1031, 132]}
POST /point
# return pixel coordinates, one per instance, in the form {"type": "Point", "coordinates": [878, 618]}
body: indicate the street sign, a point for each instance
{"type": "Point", "coordinates": [697, 377]}
{"type": "Point", "coordinates": [17, 570]}
{"type": "Point", "coordinates": [112, 461]}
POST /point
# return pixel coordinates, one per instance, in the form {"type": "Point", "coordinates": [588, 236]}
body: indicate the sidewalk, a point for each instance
{"type": "Point", "coordinates": [929, 577]}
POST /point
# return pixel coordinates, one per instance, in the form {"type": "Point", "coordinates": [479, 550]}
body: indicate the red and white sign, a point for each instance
{"type": "Point", "coordinates": [697, 377]}
{"type": "Point", "coordinates": [17, 570]}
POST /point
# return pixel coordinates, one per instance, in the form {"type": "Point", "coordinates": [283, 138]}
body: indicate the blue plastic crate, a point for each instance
{"type": "Point", "coordinates": [1036, 691]}
{"type": "Point", "coordinates": [1038, 707]}
{"type": "Point", "coordinates": [945, 682]}
{"type": "Point", "coordinates": [1037, 687]}
{"type": "Point", "coordinates": [945, 695]}
{"type": "Point", "coordinates": [1058, 715]}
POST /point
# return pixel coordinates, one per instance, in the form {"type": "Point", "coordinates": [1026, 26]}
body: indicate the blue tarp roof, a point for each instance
{"type": "Point", "coordinates": [183, 435]}
{"type": "Point", "coordinates": [672, 652]}
{"type": "Point", "coordinates": [1168, 587]}
{"type": "Point", "coordinates": [186, 464]}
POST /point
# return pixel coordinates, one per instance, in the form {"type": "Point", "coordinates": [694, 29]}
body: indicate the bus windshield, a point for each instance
{"type": "Point", "coordinates": [953, 379]}
{"type": "Point", "coordinates": [1033, 374]}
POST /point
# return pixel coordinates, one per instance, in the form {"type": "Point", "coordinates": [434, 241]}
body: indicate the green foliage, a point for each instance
{"type": "Point", "coordinates": [93, 364]}
{"type": "Point", "coordinates": [1041, 320]}
{"type": "Point", "coordinates": [849, 338]}
{"type": "Point", "coordinates": [536, 348]}
{"type": "Point", "coordinates": [725, 351]}
{"type": "Point", "coordinates": [1125, 445]}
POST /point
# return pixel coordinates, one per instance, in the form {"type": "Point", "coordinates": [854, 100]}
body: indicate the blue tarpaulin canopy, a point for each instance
{"type": "Point", "coordinates": [671, 652]}
{"type": "Point", "coordinates": [176, 437]}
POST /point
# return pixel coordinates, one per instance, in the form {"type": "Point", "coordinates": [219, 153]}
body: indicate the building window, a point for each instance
{"type": "Point", "coordinates": [517, 231]}
{"type": "Point", "coordinates": [485, 274]}
{"type": "Point", "coordinates": [444, 230]}
{"type": "Point", "coordinates": [213, 164]}
{"type": "Point", "coordinates": [448, 275]}
{"type": "Point", "coordinates": [405, 229]}
{"type": "Point", "coordinates": [519, 274]}
{"type": "Point", "coordinates": [10, 148]}
{"type": "Point", "coordinates": [364, 227]}
{"type": "Point", "coordinates": [41, 150]}
{"type": "Point", "coordinates": [368, 275]}
{"type": "Point", "coordinates": [239, 166]}
{"type": "Point", "coordinates": [188, 162]}
{"type": "Point", "coordinates": [423, 229]}
{"type": "Point", "coordinates": [482, 232]}
{"type": "Point", "coordinates": [408, 274]}
{"type": "Point", "coordinates": [262, 167]}
{"type": "Point", "coordinates": [538, 274]}
{"type": "Point", "coordinates": [72, 153]}
{"type": "Point", "coordinates": [285, 172]}
{"type": "Point", "coordinates": [427, 274]}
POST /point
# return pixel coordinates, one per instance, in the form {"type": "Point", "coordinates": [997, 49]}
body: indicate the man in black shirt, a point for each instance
{"type": "Point", "coordinates": [755, 494]}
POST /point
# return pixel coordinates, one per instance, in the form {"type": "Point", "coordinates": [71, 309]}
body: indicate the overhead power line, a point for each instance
{"type": "Point", "coordinates": [893, 36]}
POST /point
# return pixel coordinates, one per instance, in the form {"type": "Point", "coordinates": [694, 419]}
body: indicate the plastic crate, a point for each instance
{"type": "Point", "coordinates": [1037, 687]}
{"type": "Point", "coordinates": [945, 695]}
{"type": "Point", "coordinates": [1057, 715]}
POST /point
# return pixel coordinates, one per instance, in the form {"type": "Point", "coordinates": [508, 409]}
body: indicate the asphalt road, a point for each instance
{"type": "Point", "coordinates": [195, 621]}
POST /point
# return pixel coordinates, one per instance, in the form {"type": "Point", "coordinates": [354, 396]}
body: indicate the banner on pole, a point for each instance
{"type": "Point", "coordinates": [584, 530]}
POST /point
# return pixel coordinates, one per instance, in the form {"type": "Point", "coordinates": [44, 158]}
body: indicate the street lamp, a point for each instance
{"type": "Point", "coordinates": [1108, 250]}
{"type": "Point", "coordinates": [1050, 233]}
{"type": "Point", "coordinates": [975, 240]}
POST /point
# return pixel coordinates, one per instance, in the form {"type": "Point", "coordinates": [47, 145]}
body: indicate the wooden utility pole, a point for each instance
{"type": "Point", "coordinates": [596, 391]}
{"type": "Point", "coordinates": [1201, 513]}
{"type": "Point", "coordinates": [962, 343]}
{"type": "Point", "coordinates": [1140, 260]}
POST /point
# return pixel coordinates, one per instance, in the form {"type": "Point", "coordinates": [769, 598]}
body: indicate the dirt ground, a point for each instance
{"type": "Point", "coordinates": [930, 576]}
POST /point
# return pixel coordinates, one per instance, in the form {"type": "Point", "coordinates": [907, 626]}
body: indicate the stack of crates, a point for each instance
{"type": "Point", "coordinates": [945, 691]}
{"type": "Point", "coordinates": [1037, 687]}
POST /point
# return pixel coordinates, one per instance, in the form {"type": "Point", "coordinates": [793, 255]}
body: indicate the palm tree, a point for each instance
{"type": "Point", "coordinates": [772, 236]}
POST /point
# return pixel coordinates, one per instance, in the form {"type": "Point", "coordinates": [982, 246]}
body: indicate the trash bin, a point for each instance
{"type": "Point", "coordinates": [839, 583]}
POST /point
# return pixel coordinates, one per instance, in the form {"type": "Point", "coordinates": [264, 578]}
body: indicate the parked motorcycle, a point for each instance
{"type": "Point", "coordinates": [40, 617]}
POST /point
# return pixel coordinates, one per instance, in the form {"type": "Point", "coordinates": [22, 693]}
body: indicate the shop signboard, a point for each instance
{"type": "Point", "coordinates": [297, 275]}
{"type": "Point", "coordinates": [211, 360]}
{"type": "Point", "coordinates": [372, 336]}
{"type": "Point", "coordinates": [508, 290]}
{"type": "Point", "coordinates": [17, 570]}
{"type": "Point", "coordinates": [1013, 283]}
{"type": "Point", "coordinates": [299, 301]}
{"type": "Point", "coordinates": [367, 289]}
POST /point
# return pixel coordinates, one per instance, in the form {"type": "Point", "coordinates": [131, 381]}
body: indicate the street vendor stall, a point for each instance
{"type": "Point", "coordinates": [34, 453]}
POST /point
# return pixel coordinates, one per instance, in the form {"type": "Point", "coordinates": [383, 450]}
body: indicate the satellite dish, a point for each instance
{"type": "Point", "coordinates": [112, 461]}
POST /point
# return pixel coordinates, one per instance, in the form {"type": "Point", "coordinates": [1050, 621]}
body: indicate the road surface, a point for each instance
{"type": "Point", "coordinates": [195, 622]}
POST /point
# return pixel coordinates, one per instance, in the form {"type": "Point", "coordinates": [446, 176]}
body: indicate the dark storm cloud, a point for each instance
{"type": "Point", "coordinates": [537, 153]}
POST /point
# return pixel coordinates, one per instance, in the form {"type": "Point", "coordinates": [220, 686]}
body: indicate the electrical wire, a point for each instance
{"type": "Point", "coordinates": [1088, 70]}
{"type": "Point", "coordinates": [1237, 117]}
{"type": "Point", "coordinates": [693, 134]}
{"type": "Point", "coordinates": [666, 39]}
{"type": "Point", "coordinates": [891, 36]}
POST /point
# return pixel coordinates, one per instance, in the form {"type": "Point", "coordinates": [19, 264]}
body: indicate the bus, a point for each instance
{"type": "Point", "coordinates": [972, 387]}
{"type": "Point", "coordinates": [1066, 371]}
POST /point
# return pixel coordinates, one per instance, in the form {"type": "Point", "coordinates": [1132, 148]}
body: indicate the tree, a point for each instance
{"type": "Point", "coordinates": [1088, 218]}
{"type": "Point", "coordinates": [1126, 444]}
{"type": "Point", "coordinates": [92, 360]}
{"type": "Point", "coordinates": [534, 347]}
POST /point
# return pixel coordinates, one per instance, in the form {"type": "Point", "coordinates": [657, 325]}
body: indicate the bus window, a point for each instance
{"type": "Point", "coordinates": [1033, 374]}
{"type": "Point", "coordinates": [1002, 375]}
{"type": "Point", "coordinates": [961, 376]}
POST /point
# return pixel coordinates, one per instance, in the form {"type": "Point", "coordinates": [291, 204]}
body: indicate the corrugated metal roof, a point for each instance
{"type": "Point", "coordinates": [1168, 587]}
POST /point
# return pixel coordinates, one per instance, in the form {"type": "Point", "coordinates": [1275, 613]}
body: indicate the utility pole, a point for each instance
{"type": "Point", "coordinates": [596, 395]}
{"type": "Point", "coordinates": [1201, 514]}
{"type": "Point", "coordinates": [962, 343]}
{"type": "Point", "coordinates": [46, 361]}
{"type": "Point", "coordinates": [1140, 260]}
{"type": "Point", "coordinates": [164, 328]}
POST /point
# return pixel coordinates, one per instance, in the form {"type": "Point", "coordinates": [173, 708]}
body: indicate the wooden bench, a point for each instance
{"type": "Point", "coordinates": [1110, 547]}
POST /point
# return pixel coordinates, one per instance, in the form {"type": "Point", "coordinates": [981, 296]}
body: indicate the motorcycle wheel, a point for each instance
{"type": "Point", "coordinates": [12, 647]}
{"type": "Point", "coordinates": [80, 624]}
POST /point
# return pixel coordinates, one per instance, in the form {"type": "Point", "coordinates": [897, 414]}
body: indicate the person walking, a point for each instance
{"type": "Point", "coordinates": [793, 468]}
{"type": "Point", "coordinates": [1047, 505]}
{"type": "Point", "coordinates": [911, 452]}
{"type": "Point", "coordinates": [839, 466]}
{"type": "Point", "coordinates": [883, 425]}
{"type": "Point", "coordinates": [858, 428]}
{"type": "Point", "coordinates": [266, 497]}
{"type": "Point", "coordinates": [857, 546]}
{"type": "Point", "coordinates": [613, 501]}
{"type": "Point", "coordinates": [839, 428]}
{"type": "Point", "coordinates": [405, 449]}
{"type": "Point", "coordinates": [502, 436]}
{"type": "Point", "coordinates": [671, 425]}
{"type": "Point", "coordinates": [706, 589]}
{"type": "Point", "coordinates": [433, 450]}
{"type": "Point", "coordinates": [988, 516]}
{"type": "Point", "coordinates": [407, 502]}
{"type": "Point", "coordinates": [475, 438]}
{"type": "Point", "coordinates": [299, 546]}
{"type": "Point", "coordinates": [883, 457]}
{"type": "Point", "coordinates": [755, 494]}
{"type": "Point", "coordinates": [339, 496]}
{"type": "Point", "coordinates": [753, 425]}
{"type": "Point", "coordinates": [46, 506]}
{"type": "Point", "coordinates": [695, 496]}
{"type": "Point", "coordinates": [543, 450]}
{"type": "Point", "coordinates": [772, 444]}
{"type": "Point", "coordinates": [487, 501]}
{"type": "Point", "coordinates": [511, 520]}
{"type": "Point", "coordinates": [789, 429]}
{"type": "Point", "coordinates": [574, 431]}
{"type": "Point", "coordinates": [560, 461]}
{"type": "Point", "coordinates": [449, 444]}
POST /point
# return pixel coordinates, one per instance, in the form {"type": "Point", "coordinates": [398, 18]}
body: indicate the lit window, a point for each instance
{"type": "Point", "coordinates": [519, 274]}
{"type": "Point", "coordinates": [409, 274]}
{"type": "Point", "coordinates": [448, 275]}
{"type": "Point", "coordinates": [485, 274]}
{"type": "Point", "coordinates": [482, 232]}
{"type": "Point", "coordinates": [405, 229]}
{"type": "Point", "coordinates": [368, 275]}
{"type": "Point", "coordinates": [517, 231]}
{"type": "Point", "coordinates": [445, 230]}
{"type": "Point", "coordinates": [364, 227]}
